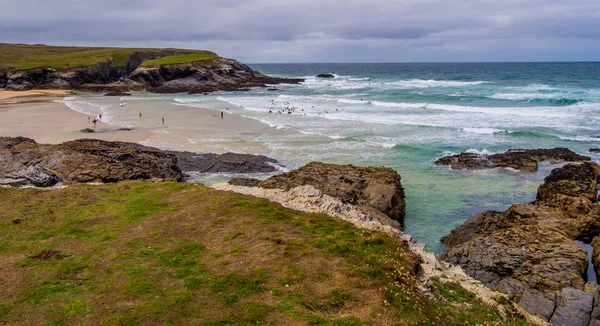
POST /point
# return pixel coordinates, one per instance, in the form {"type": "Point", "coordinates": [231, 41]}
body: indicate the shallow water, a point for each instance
{"type": "Point", "coordinates": [402, 116]}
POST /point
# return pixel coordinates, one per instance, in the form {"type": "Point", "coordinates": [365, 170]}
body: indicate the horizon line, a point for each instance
{"type": "Point", "coordinates": [420, 62]}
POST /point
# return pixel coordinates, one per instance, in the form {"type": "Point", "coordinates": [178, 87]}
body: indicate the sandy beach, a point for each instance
{"type": "Point", "coordinates": [51, 122]}
{"type": "Point", "coordinates": [43, 119]}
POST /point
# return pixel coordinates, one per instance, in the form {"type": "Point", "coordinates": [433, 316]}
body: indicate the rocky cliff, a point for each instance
{"type": "Point", "coordinates": [102, 69]}
{"type": "Point", "coordinates": [529, 251]}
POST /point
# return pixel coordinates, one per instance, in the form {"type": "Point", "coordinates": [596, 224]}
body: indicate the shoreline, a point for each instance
{"type": "Point", "coordinates": [46, 119]}
{"type": "Point", "coordinates": [53, 122]}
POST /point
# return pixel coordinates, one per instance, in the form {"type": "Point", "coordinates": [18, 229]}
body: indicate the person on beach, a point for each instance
{"type": "Point", "coordinates": [94, 121]}
{"type": "Point", "coordinates": [89, 119]}
{"type": "Point", "coordinates": [140, 115]}
{"type": "Point", "coordinates": [221, 114]}
{"type": "Point", "coordinates": [163, 120]}
{"type": "Point", "coordinates": [100, 116]}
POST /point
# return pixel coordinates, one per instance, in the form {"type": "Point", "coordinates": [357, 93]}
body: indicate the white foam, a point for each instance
{"type": "Point", "coordinates": [484, 151]}
{"type": "Point", "coordinates": [484, 131]}
{"type": "Point", "coordinates": [421, 83]}
{"type": "Point", "coordinates": [525, 96]}
{"type": "Point", "coordinates": [348, 101]}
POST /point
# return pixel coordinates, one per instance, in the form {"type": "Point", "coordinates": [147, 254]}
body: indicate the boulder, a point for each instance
{"type": "Point", "coordinates": [87, 130]}
{"type": "Point", "coordinates": [518, 159]}
{"type": "Point", "coordinates": [529, 252]}
{"type": "Point", "coordinates": [85, 160]}
{"type": "Point", "coordinates": [244, 182]}
{"type": "Point", "coordinates": [372, 189]}
{"type": "Point", "coordinates": [325, 76]}
{"type": "Point", "coordinates": [594, 150]}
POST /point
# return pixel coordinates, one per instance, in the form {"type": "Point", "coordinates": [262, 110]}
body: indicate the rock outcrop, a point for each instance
{"type": "Point", "coordinates": [529, 252]}
{"type": "Point", "coordinates": [376, 191]}
{"type": "Point", "coordinates": [518, 159]}
{"type": "Point", "coordinates": [325, 76]}
{"type": "Point", "coordinates": [594, 150]}
{"type": "Point", "coordinates": [89, 160]}
{"type": "Point", "coordinates": [193, 77]}
{"type": "Point", "coordinates": [228, 162]}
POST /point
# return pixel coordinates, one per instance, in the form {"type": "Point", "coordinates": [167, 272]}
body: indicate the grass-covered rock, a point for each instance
{"type": "Point", "coordinates": [137, 253]}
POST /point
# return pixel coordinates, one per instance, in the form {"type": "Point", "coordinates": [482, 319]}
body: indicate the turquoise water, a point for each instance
{"type": "Point", "coordinates": [405, 116]}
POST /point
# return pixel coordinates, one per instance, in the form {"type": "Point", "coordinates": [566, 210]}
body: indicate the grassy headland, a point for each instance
{"type": "Point", "coordinates": [179, 59]}
{"type": "Point", "coordinates": [15, 57]}
{"type": "Point", "coordinates": [180, 254]}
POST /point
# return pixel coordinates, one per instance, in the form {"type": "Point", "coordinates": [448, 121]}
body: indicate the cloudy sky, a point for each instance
{"type": "Point", "coordinates": [320, 30]}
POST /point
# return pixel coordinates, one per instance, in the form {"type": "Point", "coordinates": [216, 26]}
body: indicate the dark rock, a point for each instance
{"type": "Point", "coordinates": [228, 162]}
{"type": "Point", "coordinates": [573, 308]}
{"type": "Point", "coordinates": [125, 129]}
{"type": "Point", "coordinates": [3, 79]}
{"type": "Point", "coordinates": [376, 190]}
{"type": "Point", "coordinates": [537, 304]}
{"type": "Point", "coordinates": [529, 251]}
{"type": "Point", "coordinates": [325, 76]}
{"type": "Point", "coordinates": [40, 177]}
{"type": "Point", "coordinates": [518, 159]}
{"type": "Point", "coordinates": [594, 150]}
{"type": "Point", "coordinates": [272, 89]}
{"type": "Point", "coordinates": [117, 93]}
{"type": "Point", "coordinates": [87, 130]}
{"type": "Point", "coordinates": [244, 182]}
{"type": "Point", "coordinates": [87, 160]}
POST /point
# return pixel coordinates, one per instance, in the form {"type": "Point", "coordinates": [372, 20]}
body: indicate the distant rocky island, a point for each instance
{"type": "Point", "coordinates": [120, 70]}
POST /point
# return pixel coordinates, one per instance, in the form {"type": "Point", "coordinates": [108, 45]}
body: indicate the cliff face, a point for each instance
{"type": "Point", "coordinates": [194, 77]}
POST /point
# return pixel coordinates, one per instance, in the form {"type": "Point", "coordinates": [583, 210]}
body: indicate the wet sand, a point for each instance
{"type": "Point", "coordinates": [50, 122]}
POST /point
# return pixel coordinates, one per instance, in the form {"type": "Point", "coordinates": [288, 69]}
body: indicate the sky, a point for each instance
{"type": "Point", "coordinates": [272, 31]}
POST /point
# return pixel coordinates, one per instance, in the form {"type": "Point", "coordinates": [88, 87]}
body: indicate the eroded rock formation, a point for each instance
{"type": "Point", "coordinates": [529, 252]}
{"type": "Point", "coordinates": [518, 159]}
{"type": "Point", "coordinates": [374, 190]}
{"type": "Point", "coordinates": [90, 160]}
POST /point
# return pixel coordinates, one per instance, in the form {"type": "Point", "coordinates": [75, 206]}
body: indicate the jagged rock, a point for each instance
{"type": "Point", "coordinates": [244, 182]}
{"type": "Point", "coordinates": [529, 250]}
{"type": "Point", "coordinates": [228, 162]}
{"type": "Point", "coordinates": [573, 308]}
{"type": "Point", "coordinates": [325, 76]}
{"type": "Point", "coordinates": [88, 160]}
{"type": "Point", "coordinates": [518, 159]}
{"type": "Point", "coordinates": [33, 175]}
{"type": "Point", "coordinates": [87, 130]}
{"type": "Point", "coordinates": [594, 150]}
{"type": "Point", "coordinates": [372, 189]}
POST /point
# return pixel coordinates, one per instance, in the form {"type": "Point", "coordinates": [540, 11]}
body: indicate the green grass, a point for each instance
{"type": "Point", "coordinates": [180, 59]}
{"type": "Point", "coordinates": [15, 57]}
{"type": "Point", "coordinates": [138, 253]}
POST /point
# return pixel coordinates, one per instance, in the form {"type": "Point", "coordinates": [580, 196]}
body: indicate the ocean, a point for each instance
{"type": "Point", "coordinates": [403, 116]}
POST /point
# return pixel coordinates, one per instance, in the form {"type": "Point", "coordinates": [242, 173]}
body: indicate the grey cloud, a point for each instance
{"type": "Point", "coordinates": [317, 30]}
